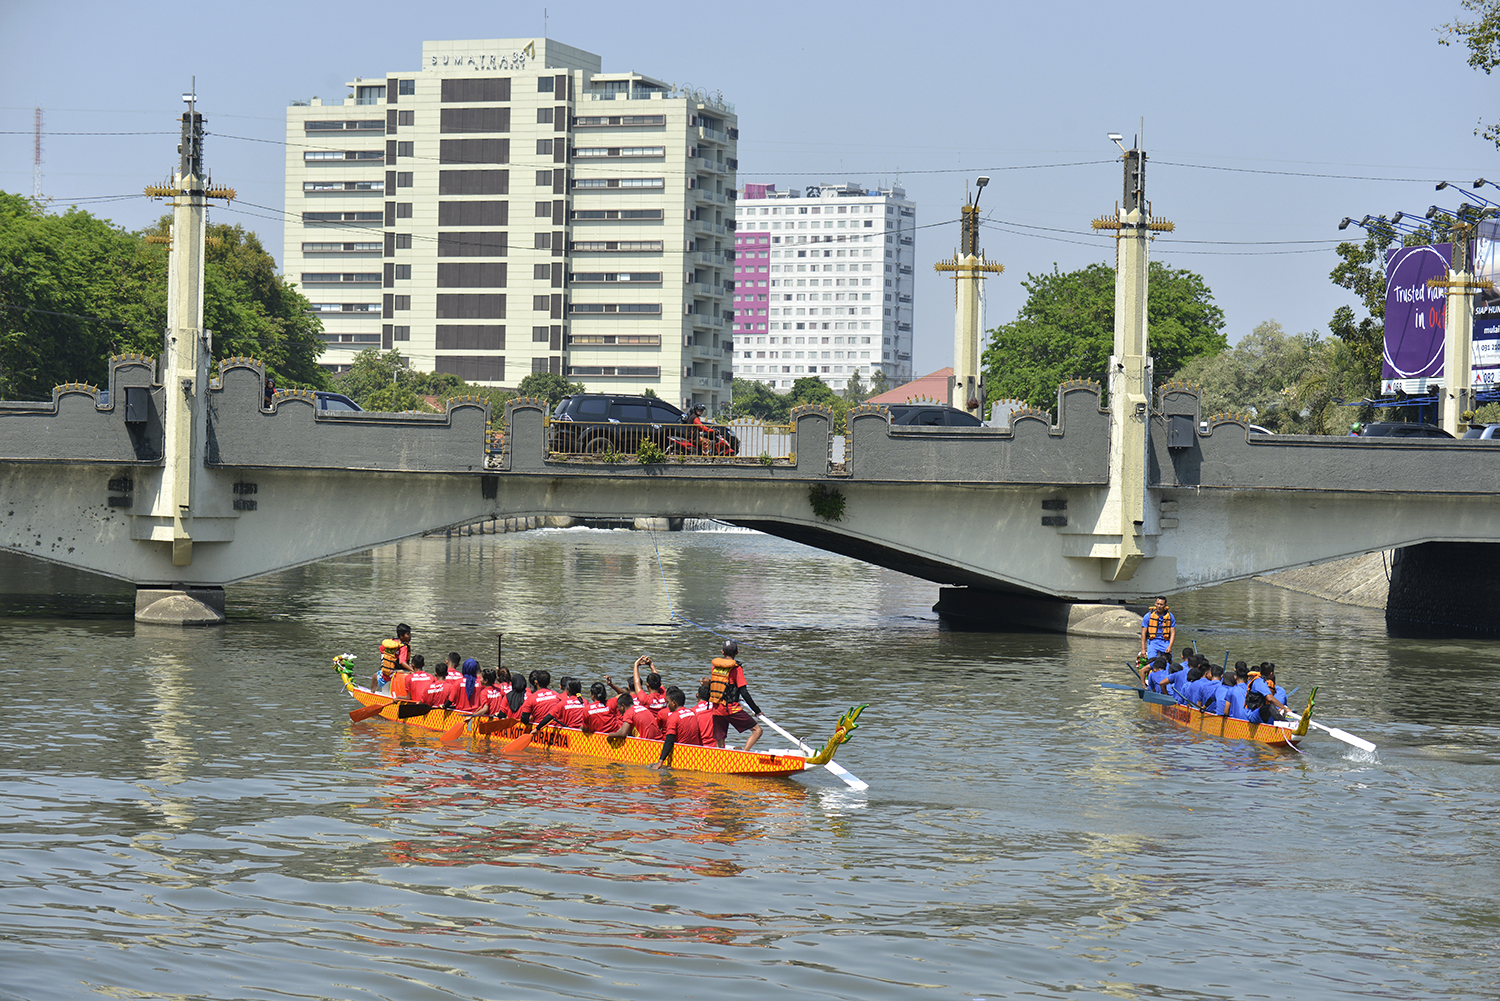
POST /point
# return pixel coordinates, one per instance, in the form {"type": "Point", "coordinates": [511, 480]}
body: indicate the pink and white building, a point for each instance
{"type": "Point", "coordinates": [823, 284]}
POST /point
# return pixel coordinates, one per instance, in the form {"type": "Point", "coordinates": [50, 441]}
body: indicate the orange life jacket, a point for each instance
{"type": "Point", "coordinates": [1157, 623]}
{"type": "Point", "coordinates": [722, 691]}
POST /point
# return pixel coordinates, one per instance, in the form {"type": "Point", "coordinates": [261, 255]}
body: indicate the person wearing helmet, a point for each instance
{"type": "Point", "coordinates": [1356, 429]}
{"type": "Point", "coordinates": [727, 688]}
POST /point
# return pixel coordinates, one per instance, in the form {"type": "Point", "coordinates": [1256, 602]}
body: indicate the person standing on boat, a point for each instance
{"type": "Point", "coordinates": [1158, 630]}
{"type": "Point", "coordinates": [727, 688]}
{"type": "Point", "coordinates": [381, 682]}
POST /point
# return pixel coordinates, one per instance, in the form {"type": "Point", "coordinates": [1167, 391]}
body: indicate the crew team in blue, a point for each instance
{"type": "Point", "coordinates": [1247, 693]}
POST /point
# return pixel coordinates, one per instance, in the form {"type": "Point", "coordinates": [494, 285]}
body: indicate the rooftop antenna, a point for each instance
{"type": "Point", "coordinates": [36, 159]}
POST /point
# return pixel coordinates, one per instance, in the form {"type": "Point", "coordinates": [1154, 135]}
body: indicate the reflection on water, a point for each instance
{"type": "Point", "coordinates": [200, 819]}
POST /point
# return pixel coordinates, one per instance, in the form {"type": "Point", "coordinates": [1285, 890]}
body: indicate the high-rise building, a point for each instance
{"type": "Point", "coordinates": [823, 284]}
{"type": "Point", "coordinates": [507, 208]}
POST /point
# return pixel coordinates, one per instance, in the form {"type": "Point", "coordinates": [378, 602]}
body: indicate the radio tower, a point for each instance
{"type": "Point", "coordinates": [36, 159]}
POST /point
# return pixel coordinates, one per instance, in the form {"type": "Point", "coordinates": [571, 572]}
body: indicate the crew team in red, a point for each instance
{"type": "Point", "coordinates": [645, 709]}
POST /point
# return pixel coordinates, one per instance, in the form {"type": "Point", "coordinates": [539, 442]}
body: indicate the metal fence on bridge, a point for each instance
{"type": "Point", "coordinates": [739, 441]}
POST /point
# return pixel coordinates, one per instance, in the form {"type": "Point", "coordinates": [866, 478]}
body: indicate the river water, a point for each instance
{"type": "Point", "coordinates": [190, 814]}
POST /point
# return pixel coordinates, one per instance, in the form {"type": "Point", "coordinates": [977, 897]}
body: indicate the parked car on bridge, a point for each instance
{"type": "Point", "coordinates": [336, 401]}
{"type": "Point", "coordinates": [1400, 429]}
{"type": "Point", "coordinates": [1484, 432]}
{"type": "Point", "coordinates": [931, 415]}
{"type": "Point", "coordinates": [597, 422]}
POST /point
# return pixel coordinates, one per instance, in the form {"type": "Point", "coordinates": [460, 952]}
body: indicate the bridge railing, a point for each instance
{"type": "Point", "coordinates": [746, 441]}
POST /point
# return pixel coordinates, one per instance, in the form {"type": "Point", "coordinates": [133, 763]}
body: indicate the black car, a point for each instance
{"type": "Point", "coordinates": [597, 422]}
{"type": "Point", "coordinates": [932, 415]}
{"type": "Point", "coordinates": [1398, 429]}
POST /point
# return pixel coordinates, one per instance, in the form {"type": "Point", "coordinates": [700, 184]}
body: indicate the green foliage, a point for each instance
{"type": "Point", "coordinates": [1259, 375]}
{"type": "Point", "coordinates": [760, 401]}
{"type": "Point", "coordinates": [765, 458]}
{"type": "Point", "coordinates": [394, 399]}
{"type": "Point", "coordinates": [549, 387]}
{"type": "Point", "coordinates": [78, 289]}
{"type": "Point", "coordinates": [381, 381]}
{"type": "Point", "coordinates": [1066, 330]}
{"type": "Point", "coordinates": [854, 389]}
{"type": "Point", "coordinates": [609, 454]}
{"type": "Point", "coordinates": [878, 383]}
{"type": "Point", "coordinates": [650, 452]}
{"type": "Point", "coordinates": [1487, 414]}
{"type": "Point", "coordinates": [827, 502]}
{"type": "Point", "coordinates": [1482, 38]}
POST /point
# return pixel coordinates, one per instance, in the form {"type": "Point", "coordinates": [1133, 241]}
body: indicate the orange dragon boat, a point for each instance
{"type": "Point", "coordinates": [567, 740]}
{"type": "Point", "coordinates": [1275, 734]}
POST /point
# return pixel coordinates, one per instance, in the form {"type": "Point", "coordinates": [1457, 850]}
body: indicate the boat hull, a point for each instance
{"type": "Point", "coordinates": [565, 740]}
{"type": "Point", "coordinates": [1224, 726]}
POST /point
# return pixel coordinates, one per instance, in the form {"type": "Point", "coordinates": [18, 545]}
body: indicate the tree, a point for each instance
{"type": "Point", "coordinates": [811, 389]}
{"type": "Point", "coordinates": [854, 389]}
{"type": "Point", "coordinates": [374, 372]}
{"type": "Point", "coordinates": [1259, 375]}
{"type": "Point", "coordinates": [1482, 38]}
{"type": "Point", "coordinates": [758, 400]}
{"type": "Point", "coordinates": [878, 383]}
{"type": "Point", "coordinates": [77, 289]}
{"type": "Point", "coordinates": [550, 387]}
{"type": "Point", "coordinates": [1066, 330]}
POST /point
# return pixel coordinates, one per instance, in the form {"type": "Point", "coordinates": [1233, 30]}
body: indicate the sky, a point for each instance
{"type": "Point", "coordinates": [1264, 123]}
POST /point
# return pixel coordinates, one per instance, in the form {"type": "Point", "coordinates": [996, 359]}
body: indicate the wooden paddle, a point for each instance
{"type": "Point", "coordinates": [517, 745]}
{"type": "Point", "coordinates": [410, 709]}
{"type": "Point", "coordinates": [365, 712]}
{"type": "Point", "coordinates": [457, 729]}
{"type": "Point", "coordinates": [1145, 694]}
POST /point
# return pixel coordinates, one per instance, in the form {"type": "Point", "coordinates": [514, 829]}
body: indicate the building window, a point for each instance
{"type": "Point", "coordinates": [403, 210]}
{"type": "Point", "coordinates": [403, 241]}
{"type": "Point", "coordinates": [544, 84]}
{"type": "Point", "coordinates": [542, 241]}
{"type": "Point", "coordinates": [403, 149]}
{"type": "Point", "coordinates": [541, 272]}
{"type": "Point", "coordinates": [401, 333]}
{"type": "Point", "coordinates": [544, 178]}
{"type": "Point", "coordinates": [405, 87]}
{"type": "Point", "coordinates": [402, 302]}
{"type": "Point", "coordinates": [543, 210]}
{"type": "Point", "coordinates": [369, 95]}
{"type": "Point", "coordinates": [544, 147]}
{"type": "Point", "coordinates": [403, 179]}
{"type": "Point", "coordinates": [541, 303]}
{"type": "Point", "coordinates": [544, 116]}
{"type": "Point", "coordinates": [406, 117]}
{"type": "Point", "coordinates": [539, 335]}
{"type": "Point", "coordinates": [403, 271]}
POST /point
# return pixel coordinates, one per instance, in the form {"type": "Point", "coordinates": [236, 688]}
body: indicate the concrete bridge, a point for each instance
{"type": "Point", "coordinates": [1020, 510]}
{"type": "Point", "coordinates": [183, 484]}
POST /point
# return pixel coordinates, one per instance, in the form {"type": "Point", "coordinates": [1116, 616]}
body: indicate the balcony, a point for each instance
{"type": "Point", "coordinates": [712, 135]}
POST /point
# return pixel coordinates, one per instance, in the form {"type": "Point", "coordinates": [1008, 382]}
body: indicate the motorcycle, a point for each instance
{"type": "Point", "coordinates": [691, 439]}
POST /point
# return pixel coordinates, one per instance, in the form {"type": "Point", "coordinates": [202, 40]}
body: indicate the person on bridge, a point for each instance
{"type": "Point", "coordinates": [727, 689]}
{"type": "Point", "coordinates": [1158, 630]}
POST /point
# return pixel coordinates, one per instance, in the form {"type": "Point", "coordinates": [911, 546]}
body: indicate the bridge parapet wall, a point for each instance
{"type": "Point", "coordinates": [293, 433]}
{"type": "Point", "coordinates": [1031, 450]}
{"type": "Point", "coordinates": [1227, 455]}
{"type": "Point", "coordinates": [75, 427]}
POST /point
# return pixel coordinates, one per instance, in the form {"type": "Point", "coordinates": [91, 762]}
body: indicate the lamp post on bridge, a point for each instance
{"type": "Point", "coordinates": [188, 347]}
{"type": "Point", "coordinates": [1458, 327]}
{"type": "Point", "coordinates": [1125, 513]}
{"type": "Point", "coordinates": [966, 390]}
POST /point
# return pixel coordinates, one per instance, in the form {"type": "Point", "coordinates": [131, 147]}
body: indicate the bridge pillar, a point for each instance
{"type": "Point", "coordinates": [1442, 589]}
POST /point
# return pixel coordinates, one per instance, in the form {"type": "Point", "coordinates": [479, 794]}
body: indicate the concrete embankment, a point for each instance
{"type": "Point", "coordinates": [1360, 580]}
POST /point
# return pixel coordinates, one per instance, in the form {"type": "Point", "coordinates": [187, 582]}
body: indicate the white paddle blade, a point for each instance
{"type": "Point", "coordinates": [1346, 737]}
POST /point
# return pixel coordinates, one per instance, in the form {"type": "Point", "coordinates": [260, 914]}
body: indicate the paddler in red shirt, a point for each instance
{"type": "Point", "coordinates": [542, 703]}
{"type": "Point", "coordinates": [727, 688]}
{"type": "Point", "coordinates": [403, 637]}
{"type": "Point", "coordinates": [635, 717]}
{"type": "Point", "coordinates": [438, 688]}
{"type": "Point", "coordinates": [417, 680]}
{"type": "Point", "coordinates": [682, 727]}
{"type": "Point", "coordinates": [599, 716]}
{"type": "Point", "coordinates": [652, 694]}
{"type": "Point", "coordinates": [573, 711]}
{"type": "Point", "coordinates": [467, 695]}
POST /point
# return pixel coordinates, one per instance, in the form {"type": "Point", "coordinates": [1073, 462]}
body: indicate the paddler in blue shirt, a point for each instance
{"type": "Point", "coordinates": [1224, 692]}
{"type": "Point", "coordinates": [1176, 684]}
{"type": "Point", "coordinates": [1235, 703]}
{"type": "Point", "coordinates": [1156, 677]}
{"type": "Point", "coordinates": [1259, 684]}
{"type": "Point", "coordinates": [1205, 693]}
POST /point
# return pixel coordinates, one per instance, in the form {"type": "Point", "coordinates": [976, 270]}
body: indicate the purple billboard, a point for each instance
{"type": "Point", "coordinates": [1414, 318]}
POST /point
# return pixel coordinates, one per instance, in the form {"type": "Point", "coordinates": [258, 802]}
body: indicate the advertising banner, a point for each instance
{"type": "Point", "coordinates": [1414, 318]}
{"type": "Point", "coordinates": [1486, 358]}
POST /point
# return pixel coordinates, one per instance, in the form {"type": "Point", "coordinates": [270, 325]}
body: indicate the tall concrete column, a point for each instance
{"type": "Point", "coordinates": [1458, 348]}
{"type": "Point", "coordinates": [966, 390]}
{"type": "Point", "coordinates": [1127, 514]}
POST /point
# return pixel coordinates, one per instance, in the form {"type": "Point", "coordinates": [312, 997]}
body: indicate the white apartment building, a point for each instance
{"type": "Point", "coordinates": [823, 284]}
{"type": "Point", "coordinates": [507, 208]}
